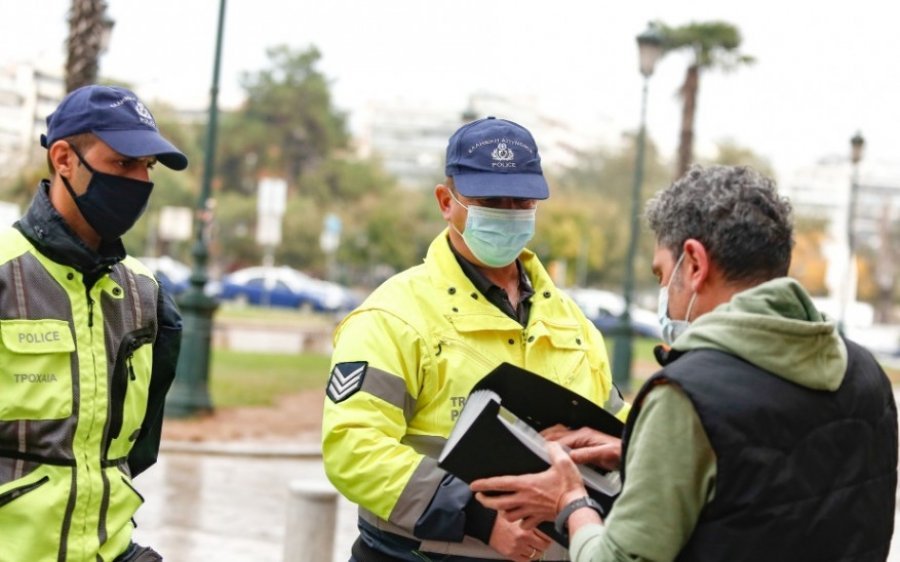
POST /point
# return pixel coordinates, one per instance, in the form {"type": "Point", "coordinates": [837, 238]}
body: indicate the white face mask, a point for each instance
{"type": "Point", "coordinates": [496, 237]}
{"type": "Point", "coordinates": [671, 329]}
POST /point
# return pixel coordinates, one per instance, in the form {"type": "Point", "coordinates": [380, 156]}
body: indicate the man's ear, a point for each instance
{"type": "Point", "coordinates": [63, 158]}
{"type": "Point", "coordinates": [696, 262]}
{"type": "Point", "coordinates": [442, 194]}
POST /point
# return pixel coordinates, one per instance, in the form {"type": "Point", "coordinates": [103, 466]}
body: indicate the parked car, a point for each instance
{"type": "Point", "coordinates": [173, 275]}
{"type": "Point", "coordinates": [286, 287]}
{"type": "Point", "coordinates": [603, 308]}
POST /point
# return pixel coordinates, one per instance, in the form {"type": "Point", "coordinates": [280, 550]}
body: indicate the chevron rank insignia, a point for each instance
{"type": "Point", "coordinates": [345, 380]}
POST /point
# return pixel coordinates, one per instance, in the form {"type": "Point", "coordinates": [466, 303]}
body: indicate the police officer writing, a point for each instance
{"type": "Point", "coordinates": [765, 436]}
{"type": "Point", "coordinates": [405, 360]}
{"type": "Point", "coordinates": [88, 339]}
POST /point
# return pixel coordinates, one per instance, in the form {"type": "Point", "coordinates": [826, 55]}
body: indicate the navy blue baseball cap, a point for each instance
{"type": "Point", "coordinates": [495, 158]}
{"type": "Point", "coordinates": [118, 118]}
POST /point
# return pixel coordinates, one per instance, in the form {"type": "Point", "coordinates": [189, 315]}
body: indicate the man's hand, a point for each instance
{"type": "Point", "coordinates": [588, 445]}
{"type": "Point", "coordinates": [533, 498]}
{"type": "Point", "coordinates": [513, 541]}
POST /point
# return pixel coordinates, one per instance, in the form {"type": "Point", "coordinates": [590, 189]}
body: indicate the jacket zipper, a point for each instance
{"type": "Point", "coordinates": [122, 372]}
{"type": "Point", "coordinates": [90, 303]}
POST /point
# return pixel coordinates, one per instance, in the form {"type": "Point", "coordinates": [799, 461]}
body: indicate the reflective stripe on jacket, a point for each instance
{"type": "Point", "coordinates": [75, 371]}
{"type": "Point", "coordinates": [426, 337]}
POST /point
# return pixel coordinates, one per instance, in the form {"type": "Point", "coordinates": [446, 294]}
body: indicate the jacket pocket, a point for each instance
{"type": "Point", "coordinates": [35, 369]}
{"type": "Point", "coordinates": [20, 491]}
{"type": "Point", "coordinates": [124, 374]}
{"type": "Point", "coordinates": [32, 511]}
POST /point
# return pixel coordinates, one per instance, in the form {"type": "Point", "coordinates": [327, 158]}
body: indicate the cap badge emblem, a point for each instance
{"type": "Point", "coordinates": [144, 114]}
{"type": "Point", "coordinates": [502, 153]}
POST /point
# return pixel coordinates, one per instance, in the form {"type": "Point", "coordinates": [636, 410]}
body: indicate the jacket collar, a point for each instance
{"type": "Point", "coordinates": [47, 231]}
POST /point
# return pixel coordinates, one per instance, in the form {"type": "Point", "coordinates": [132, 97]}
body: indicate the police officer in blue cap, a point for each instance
{"type": "Point", "coordinates": [88, 338]}
{"type": "Point", "coordinates": [406, 359]}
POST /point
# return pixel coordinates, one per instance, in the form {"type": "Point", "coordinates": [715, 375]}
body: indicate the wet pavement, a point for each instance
{"type": "Point", "coordinates": [229, 503]}
{"type": "Point", "coordinates": [228, 508]}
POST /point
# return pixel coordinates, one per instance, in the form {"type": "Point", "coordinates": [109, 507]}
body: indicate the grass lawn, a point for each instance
{"type": "Point", "coordinates": [258, 379]}
{"type": "Point", "coordinates": [248, 314]}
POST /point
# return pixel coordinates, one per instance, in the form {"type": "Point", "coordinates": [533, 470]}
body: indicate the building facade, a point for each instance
{"type": "Point", "coordinates": [869, 218]}
{"type": "Point", "coordinates": [410, 139]}
{"type": "Point", "coordinates": [28, 93]}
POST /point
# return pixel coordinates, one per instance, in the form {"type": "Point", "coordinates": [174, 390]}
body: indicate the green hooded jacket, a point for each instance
{"type": "Point", "coordinates": [670, 464]}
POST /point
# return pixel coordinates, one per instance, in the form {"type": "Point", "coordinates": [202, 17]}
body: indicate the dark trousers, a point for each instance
{"type": "Point", "coordinates": [361, 552]}
{"type": "Point", "coordinates": [138, 553]}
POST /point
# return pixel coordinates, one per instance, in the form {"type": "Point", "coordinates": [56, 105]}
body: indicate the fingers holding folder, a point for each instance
{"type": "Point", "coordinates": [536, 497]}
{"type": "Point", "coordinates": [588, 445]}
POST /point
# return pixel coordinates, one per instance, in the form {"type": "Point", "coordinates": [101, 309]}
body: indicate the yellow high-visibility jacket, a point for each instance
{"type": "Point", "coordinates": [87, 352]}
{"type": "Point", "coordinates": [402, 366]}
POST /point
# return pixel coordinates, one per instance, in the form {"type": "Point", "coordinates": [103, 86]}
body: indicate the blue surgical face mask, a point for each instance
{"type": "Point", "coordinates": [671, 329]}
{"type": "Point", "coordinates": [496, 237]}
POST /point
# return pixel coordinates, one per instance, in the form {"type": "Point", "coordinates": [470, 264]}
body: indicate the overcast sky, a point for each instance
{"type": "Point", "coordinates": [825, 69]}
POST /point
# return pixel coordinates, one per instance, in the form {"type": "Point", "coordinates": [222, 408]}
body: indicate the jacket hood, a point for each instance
{"type": "Point", "coordinates": [776, 327]}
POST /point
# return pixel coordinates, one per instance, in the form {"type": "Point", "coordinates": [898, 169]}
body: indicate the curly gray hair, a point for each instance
{"type": "Point", "coordinates": [735, 212]}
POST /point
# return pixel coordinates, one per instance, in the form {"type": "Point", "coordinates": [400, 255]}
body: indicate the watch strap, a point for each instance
{"type": "Point", "coordinates": [563, 517]}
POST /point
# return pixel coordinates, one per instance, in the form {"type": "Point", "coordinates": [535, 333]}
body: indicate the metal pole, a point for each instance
{"type": "Point", "coordinates": [847, 288]}
{"type": "Point", "coordinates": [857, 142]}
{"type": "Point", "coordinates": [623, 341]}
{"type": "Point", "coordinates": [190, 392]}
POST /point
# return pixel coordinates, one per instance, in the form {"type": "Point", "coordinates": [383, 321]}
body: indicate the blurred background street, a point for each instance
{"type": "Point", "coordinates": [316, 132]}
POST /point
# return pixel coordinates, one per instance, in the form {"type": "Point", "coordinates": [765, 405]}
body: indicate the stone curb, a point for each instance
{"type": "Point", "coordinates": [307, 451]}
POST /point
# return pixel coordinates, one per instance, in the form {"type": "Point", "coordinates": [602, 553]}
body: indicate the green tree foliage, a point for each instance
{"type": "Point", "coordinates": [731, 154]}
{"type": "Point", "coordinates": [19, 189]}
{"type": "Point", "coordinates": [287, 125]}
{"type": "Point", "coordinates": [288, 128]}
{"type": "Point", "coordinates": [586, 222]}
{"type": "Point", "coordinates": [170, 188]}
{"type": "Point", "coordinates": [234, 232]}
{"type": "Point", "coordinates": [808, 263]}
{"type": "Point", "coordinates": [389, 233]}
{"type": "Point", "coordinates": [712, 45]}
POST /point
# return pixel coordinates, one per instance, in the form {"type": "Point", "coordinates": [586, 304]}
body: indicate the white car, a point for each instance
{"type": "Point", "coordinates": [603, 308]}
{"type": "Point", "coordinates": [171, 273]}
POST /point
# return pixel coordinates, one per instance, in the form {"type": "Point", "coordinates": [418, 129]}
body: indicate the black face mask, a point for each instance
{"type": "Point", "coordinates": [110, 204]}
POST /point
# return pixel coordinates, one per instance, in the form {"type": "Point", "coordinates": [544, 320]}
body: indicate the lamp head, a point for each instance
{"type": "Point", "coordinates": [857, 143]}
{"type": "Point", "coordinates": [650, 48]}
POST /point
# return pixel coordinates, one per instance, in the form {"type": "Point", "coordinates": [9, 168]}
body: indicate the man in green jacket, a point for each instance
{"type": "Point", "coordinates": [88, 339]}
{"type": "Point", "coordinates": [405, 360]}
{"type": "Point", "coordinates": [766, 435]}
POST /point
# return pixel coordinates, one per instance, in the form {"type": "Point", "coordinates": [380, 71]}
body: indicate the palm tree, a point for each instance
{"type": "Point", "coordinates": [714, 45]}
{"type": "Point", "coordinates": [89, 29]}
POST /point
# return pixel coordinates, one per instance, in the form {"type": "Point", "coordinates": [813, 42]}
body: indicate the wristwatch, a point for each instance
{"type": "Point", "coordinates": [566, 512]}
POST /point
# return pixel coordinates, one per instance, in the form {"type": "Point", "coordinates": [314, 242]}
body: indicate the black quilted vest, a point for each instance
{"type": "Point", "coordinates": [801, 474]}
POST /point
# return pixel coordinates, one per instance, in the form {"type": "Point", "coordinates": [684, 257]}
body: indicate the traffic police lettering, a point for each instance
{"type": "Point", "coordinates": [39, 337]}
{"type": "Point", "coordinates": [35, 377]}
{"type": "Point", "coordinates": [456, 403]}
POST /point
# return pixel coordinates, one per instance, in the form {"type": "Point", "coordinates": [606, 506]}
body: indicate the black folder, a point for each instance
{"type": "Point", "coordinates": [544, 403]}
{"type": "Point", "coordinates": [495, 434]}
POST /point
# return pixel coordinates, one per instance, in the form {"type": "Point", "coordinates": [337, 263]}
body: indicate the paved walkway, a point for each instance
{"type": "Point", "coordinates": [226, 508]}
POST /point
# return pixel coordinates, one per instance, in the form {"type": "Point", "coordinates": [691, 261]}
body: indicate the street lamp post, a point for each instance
{"type": "Point", "coordinates": [190, 390]}
{"type": "Point", "coordinates": [857, 143]}
{"type": "Point", "coordinates": [650, 49]}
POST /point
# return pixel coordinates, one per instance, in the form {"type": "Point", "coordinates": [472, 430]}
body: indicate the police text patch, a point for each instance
{"type": "Point", "coordinates": [345, 380]}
